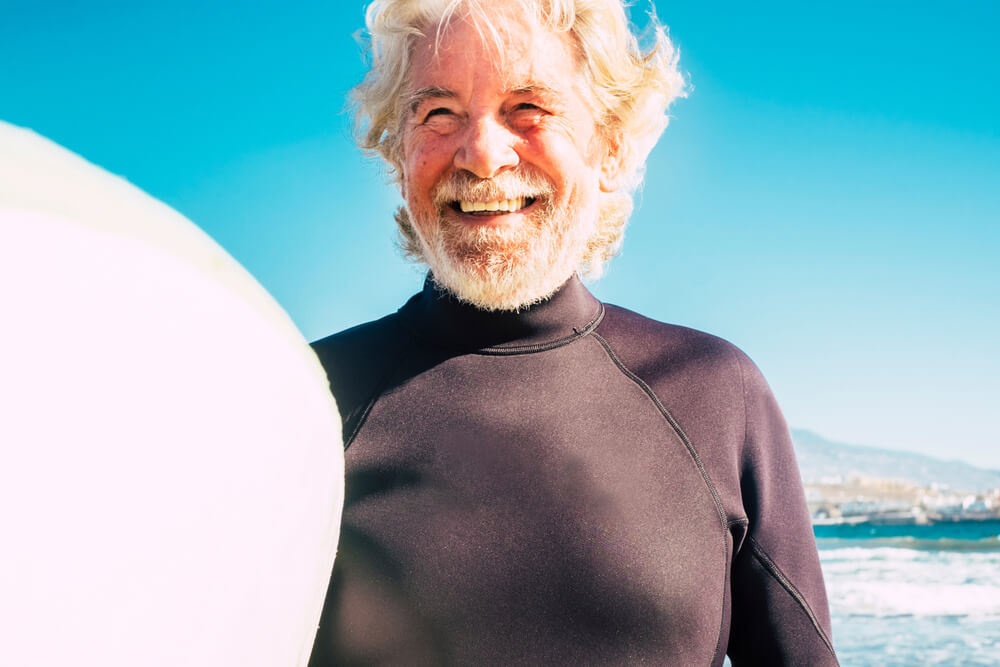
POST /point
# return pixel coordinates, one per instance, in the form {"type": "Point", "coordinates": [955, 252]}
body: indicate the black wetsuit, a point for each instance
{"type": "Point", "coordinates": [571, 485]}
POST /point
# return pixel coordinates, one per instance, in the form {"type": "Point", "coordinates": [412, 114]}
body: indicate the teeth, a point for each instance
{"type": "Point", "coordinates": [508, 205]}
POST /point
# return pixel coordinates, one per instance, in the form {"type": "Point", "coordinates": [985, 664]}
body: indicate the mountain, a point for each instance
{"type": "Point", "coordinates": [822, 460]}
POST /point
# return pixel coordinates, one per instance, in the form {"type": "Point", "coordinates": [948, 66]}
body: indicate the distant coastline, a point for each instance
{"type": "Point", "coordinates": [851, 489]}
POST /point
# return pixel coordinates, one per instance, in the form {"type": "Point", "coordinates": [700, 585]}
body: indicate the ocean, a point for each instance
{"type": "Point", "coordinates": [914, 595]}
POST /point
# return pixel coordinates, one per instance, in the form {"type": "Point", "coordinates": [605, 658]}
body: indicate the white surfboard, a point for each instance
{"type": "Point", "coordinates": [171, 470]}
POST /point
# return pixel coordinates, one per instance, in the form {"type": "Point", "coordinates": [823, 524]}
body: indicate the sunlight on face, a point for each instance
{"type": "Point", "coordinates": [500, 170]}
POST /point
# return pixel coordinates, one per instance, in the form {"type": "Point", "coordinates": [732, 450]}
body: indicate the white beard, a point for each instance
{"type": "Point", "coordinates": [505, 267]}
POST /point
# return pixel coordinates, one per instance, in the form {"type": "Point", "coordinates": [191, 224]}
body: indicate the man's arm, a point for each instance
{"type": "Point", "coordinates": [780, 610]}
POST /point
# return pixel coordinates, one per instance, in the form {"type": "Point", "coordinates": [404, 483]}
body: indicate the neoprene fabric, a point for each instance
{"type": "Point", "coordinates": [574, 484]}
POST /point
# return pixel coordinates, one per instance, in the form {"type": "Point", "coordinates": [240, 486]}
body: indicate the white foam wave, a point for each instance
{"type": "Point", "coordinates": [891, 598]}
{"type": "Point", "coordinates": [886, 582]}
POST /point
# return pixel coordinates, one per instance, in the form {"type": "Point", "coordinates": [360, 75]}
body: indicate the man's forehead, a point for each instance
{"type": "Point", "coordinates": [532, 61]}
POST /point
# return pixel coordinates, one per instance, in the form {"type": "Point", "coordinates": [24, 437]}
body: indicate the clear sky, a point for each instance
{"type": "Point", "coordinates": [827, 198]}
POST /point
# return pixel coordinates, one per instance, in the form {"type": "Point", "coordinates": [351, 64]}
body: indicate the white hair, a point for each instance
{"type": "Point", "coordinates": [630, 89]}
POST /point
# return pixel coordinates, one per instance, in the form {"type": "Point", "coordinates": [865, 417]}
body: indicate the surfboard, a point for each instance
{"type": "Point", "coordinates": [171, 468]}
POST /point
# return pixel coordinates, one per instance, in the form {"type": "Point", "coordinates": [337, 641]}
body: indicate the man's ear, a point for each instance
{"type": "Point", "coordinates": [612, 172]}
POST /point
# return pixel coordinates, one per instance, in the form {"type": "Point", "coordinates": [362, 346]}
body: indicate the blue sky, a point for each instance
{"type": "Point", "coordinates": [827, 198]}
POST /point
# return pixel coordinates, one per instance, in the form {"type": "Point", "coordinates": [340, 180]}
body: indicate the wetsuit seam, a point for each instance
{"type": "Point", "coordinates": [504, 351]}
{"type": "Point", "coordinates": [693, 453]}
{"type": "Point", "coordinates": [772, 568]}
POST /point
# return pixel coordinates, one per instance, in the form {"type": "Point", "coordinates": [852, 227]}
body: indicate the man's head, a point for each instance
{"type": "Point", "coordinates": [540, 111]}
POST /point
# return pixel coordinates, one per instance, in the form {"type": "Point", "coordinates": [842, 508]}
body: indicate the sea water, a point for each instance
{"type": "Point", "coordinates": [914, 595]}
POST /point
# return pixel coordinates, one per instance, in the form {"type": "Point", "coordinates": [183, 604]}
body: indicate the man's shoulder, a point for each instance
{"type": "Point", "coordinates": [645, 345]}
{"type": "Point", "coordinates": [362, 339]}
{"type": "Point", "coordinates": [363, 351]}
{"type": "Point", "coordinates": [706, 383]}
{"type": "Point", "coordinates": [357, 360]}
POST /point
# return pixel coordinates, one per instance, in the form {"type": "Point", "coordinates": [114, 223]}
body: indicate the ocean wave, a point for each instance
{"type": "Point", "coordinates": [894, 599]}
{"type": "Point", "coordinates": [901, 557]}
{"type": "Point", "coordinates": [906, 600]}
{"type": "Point", "coordinates": [902, 641]}
{"type": "Point", "coordinates": [893, 581]}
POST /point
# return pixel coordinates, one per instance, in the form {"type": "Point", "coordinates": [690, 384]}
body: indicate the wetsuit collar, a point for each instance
{"type": "Point", "coordinates": [438, 316]}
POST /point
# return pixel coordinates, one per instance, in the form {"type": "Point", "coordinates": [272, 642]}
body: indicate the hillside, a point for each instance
{"type": "Point", "coordinates": [824, 460]}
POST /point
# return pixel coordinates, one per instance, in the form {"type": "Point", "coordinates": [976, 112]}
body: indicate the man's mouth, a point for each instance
{"type": "Point", "coordinates": [499, 207]}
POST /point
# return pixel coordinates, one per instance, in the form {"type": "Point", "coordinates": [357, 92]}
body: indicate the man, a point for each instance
{"type": "Point", "coordinates": [533, 477]}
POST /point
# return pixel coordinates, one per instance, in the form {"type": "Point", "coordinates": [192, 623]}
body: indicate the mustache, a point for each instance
{"type": "Point", "coordinates": [520, 182]}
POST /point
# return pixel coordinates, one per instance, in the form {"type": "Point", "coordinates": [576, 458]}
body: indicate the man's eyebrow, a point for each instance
{"type": "Point", "coordinates": [534, 88]}
{"type": "Point", "coordinates": [414, 99]}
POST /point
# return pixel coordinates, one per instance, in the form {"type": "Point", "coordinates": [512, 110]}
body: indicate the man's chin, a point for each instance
{"type": "Point", "coordinates": [504, 268]}
{"type": "Point", "coordinates": [509, 291]}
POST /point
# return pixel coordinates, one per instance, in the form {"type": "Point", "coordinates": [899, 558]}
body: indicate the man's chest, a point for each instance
{"type": "Point", "coordinates": [537, 496]}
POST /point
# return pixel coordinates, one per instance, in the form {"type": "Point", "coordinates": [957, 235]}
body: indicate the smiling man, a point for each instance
{"type": "Point", "coordinates": [534, 477]}
{"type": "Point", "coordinates": [501, 161]}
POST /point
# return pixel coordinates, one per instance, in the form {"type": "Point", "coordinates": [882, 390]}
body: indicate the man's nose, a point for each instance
{"type": "Point", "coordinates": [487, 148]}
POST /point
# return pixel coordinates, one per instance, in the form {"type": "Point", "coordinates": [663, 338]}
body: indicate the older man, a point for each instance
{"type": "Point", "coordinates": [534, 477]}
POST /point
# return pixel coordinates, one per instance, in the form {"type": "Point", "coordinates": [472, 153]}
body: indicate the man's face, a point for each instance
{"type": "Point", "coordinates": [511, 133]}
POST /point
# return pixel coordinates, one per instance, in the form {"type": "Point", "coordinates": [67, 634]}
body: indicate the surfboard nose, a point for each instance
{"type": "Point", "coordinates": [172, 475]}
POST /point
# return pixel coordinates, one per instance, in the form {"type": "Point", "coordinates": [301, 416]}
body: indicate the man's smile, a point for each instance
{"type": "Point", "coordinates": [497, 207]}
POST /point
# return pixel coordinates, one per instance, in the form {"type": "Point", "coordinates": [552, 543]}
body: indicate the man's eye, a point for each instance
{"type": "Point", "coordinates": [526, 115]}
{"type": "Point", "coordinates": [440, 111]}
